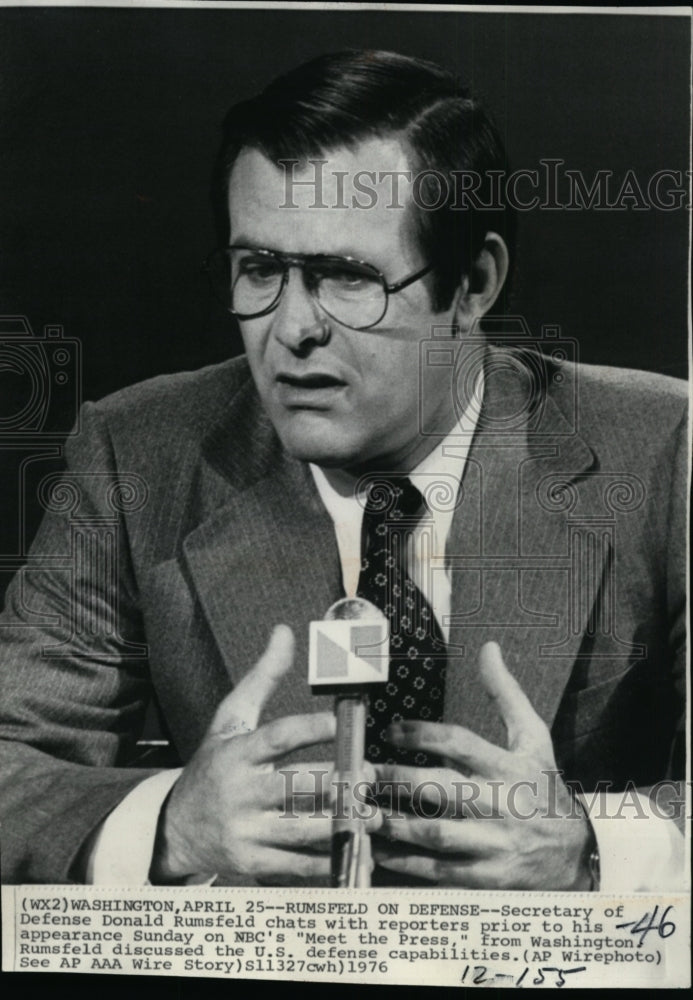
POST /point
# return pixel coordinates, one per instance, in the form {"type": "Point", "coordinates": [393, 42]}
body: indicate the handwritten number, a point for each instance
{"type": "Point", "coordinates": [666, 923]}
{"type": "Point", "coordinates": [665, 928]}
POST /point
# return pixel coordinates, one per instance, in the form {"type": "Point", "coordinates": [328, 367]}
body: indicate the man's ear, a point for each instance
{"type": "Point", "coordinates": [482, 286]}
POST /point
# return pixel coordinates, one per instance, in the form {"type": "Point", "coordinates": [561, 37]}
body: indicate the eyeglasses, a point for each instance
{"type": "Point", "coordinates": [250, 283]}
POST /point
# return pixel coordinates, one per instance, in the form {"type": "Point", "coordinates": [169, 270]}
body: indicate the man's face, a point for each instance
{"type": "Point", "coordinates": [340, 397]}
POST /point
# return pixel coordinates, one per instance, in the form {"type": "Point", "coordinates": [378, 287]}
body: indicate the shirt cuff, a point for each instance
{"type": "Point", "coordinates": [639, 851]}
{"type": "Point", "coordinates": [122, 847]}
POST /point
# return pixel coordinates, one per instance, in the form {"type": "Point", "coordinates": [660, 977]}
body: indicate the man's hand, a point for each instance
{"type": "Point", "coordinates": [502, 818]}
{"type": "Point", "coordinates": [231, 812]}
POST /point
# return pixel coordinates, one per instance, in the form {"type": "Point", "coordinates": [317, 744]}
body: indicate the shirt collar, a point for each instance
{"type": "Point", "coordinates": [448, 458]}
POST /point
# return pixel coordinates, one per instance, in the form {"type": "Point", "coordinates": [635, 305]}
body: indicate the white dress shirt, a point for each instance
{"type": "Point", "coordinates": [426, 561]}
{"type": "Point", "coordinates": [639, 850]}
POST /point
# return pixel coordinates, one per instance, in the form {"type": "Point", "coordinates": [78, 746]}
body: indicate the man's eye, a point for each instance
{"type": "Point", "coordinates": [259, 270]}
{"type": "Point", "coordinates": [348, 281]}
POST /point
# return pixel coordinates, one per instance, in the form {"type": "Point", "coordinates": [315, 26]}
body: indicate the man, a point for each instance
{"type": "Point", "coordinates": [239, 500]}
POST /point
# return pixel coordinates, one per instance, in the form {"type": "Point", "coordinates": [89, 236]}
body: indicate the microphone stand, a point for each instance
{"type": "Point", "coordinates": [351, 854]}
{"type": "Point", "coordinates": [345, 678]}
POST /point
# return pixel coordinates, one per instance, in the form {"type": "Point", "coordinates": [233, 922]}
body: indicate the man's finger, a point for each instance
{"type": "Point", "coordinates": [401, 787]}
{"type": "Point", "coordinates": [521, 720]}
{"type": "Point", "coordinates": [291, 732]}
{"type": "Point", "coordinates": [461, 747]}
{"type": "Point", "coordinates": [445, 836]}
{"type": "Point", "coordinates": [309, 782]}
{"type": "Point", "coordinates": [311, 832]}
{"type": "Point", "coordinates": [435, 792]}
{"type": "Point", "coordinates": [286, 867]}
{"type": "Point", "coordinates": [240, 711]}
{"type": "Point", "coordinates": [406, 778]}
{"type": "Point", "coordinates": [317, 780]}
{"type": "Point", "coordinates": [295, 832]}
{"type": "Point", "coordinates": [473, 873]}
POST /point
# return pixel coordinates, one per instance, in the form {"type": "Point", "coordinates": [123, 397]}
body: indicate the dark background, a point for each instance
{"type": "Point", "coordinates": [109, 120]}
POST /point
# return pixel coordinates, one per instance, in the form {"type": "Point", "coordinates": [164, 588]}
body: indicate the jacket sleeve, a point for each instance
{"type": "Point", "coordinates": [671, 797]}
{"type": "Point", "coordinates": [649, 856]}
{"type": "Point", "coordinates": [73, 665]}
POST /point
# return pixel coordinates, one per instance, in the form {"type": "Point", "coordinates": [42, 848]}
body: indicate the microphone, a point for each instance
{"type": "Point", "coordinates": [349, 652]}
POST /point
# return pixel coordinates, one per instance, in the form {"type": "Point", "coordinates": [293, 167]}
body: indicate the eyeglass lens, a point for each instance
{"type": "Point", "coordinates": [252, 282]}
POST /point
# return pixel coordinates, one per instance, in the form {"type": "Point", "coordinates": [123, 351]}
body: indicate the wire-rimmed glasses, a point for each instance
{"type": "Point", "coordinates": [250, 281]}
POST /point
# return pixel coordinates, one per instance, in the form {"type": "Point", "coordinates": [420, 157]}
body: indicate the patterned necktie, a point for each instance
{"type": "Point", "coordinates": [418, 654]}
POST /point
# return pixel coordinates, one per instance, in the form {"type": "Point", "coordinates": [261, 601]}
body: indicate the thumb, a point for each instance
{"type": "Point", "coordinates": [240, 710]}
{"type": "Point", "coordinates": [523, 724]}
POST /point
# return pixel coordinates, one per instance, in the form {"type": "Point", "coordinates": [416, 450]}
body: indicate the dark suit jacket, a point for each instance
{"type": "Point", "coordinates": [180, 534]}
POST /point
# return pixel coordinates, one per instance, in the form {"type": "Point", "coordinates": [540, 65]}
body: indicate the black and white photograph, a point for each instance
{"type": "Point", "coordinates": [344, 475]}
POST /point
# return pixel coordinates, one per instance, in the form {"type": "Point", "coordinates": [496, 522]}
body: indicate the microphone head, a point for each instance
{"type": "Point", "coordinates": [352, 608]}
{"type": "Point", "coordinates": [350, 646]}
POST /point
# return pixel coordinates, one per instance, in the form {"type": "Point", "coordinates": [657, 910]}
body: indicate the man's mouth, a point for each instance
{"type": "Point", "coordinates": [312, 380]}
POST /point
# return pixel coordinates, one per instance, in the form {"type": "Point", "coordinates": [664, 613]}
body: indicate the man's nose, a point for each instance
{"type": "Point", "coordinates": [298, 322]}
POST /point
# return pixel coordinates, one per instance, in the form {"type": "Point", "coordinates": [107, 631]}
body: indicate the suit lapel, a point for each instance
{"type": "Point", "coordinates": [267, 556]}
{"type": "Point", "coordinates": [509, 548]}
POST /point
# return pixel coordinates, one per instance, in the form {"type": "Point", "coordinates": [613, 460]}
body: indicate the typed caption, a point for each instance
{"type": "Point", "coordinates": [529, 940]}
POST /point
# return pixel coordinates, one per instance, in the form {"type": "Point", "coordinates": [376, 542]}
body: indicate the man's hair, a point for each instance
{"type": "Point", "coordinates": [339, 100]}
